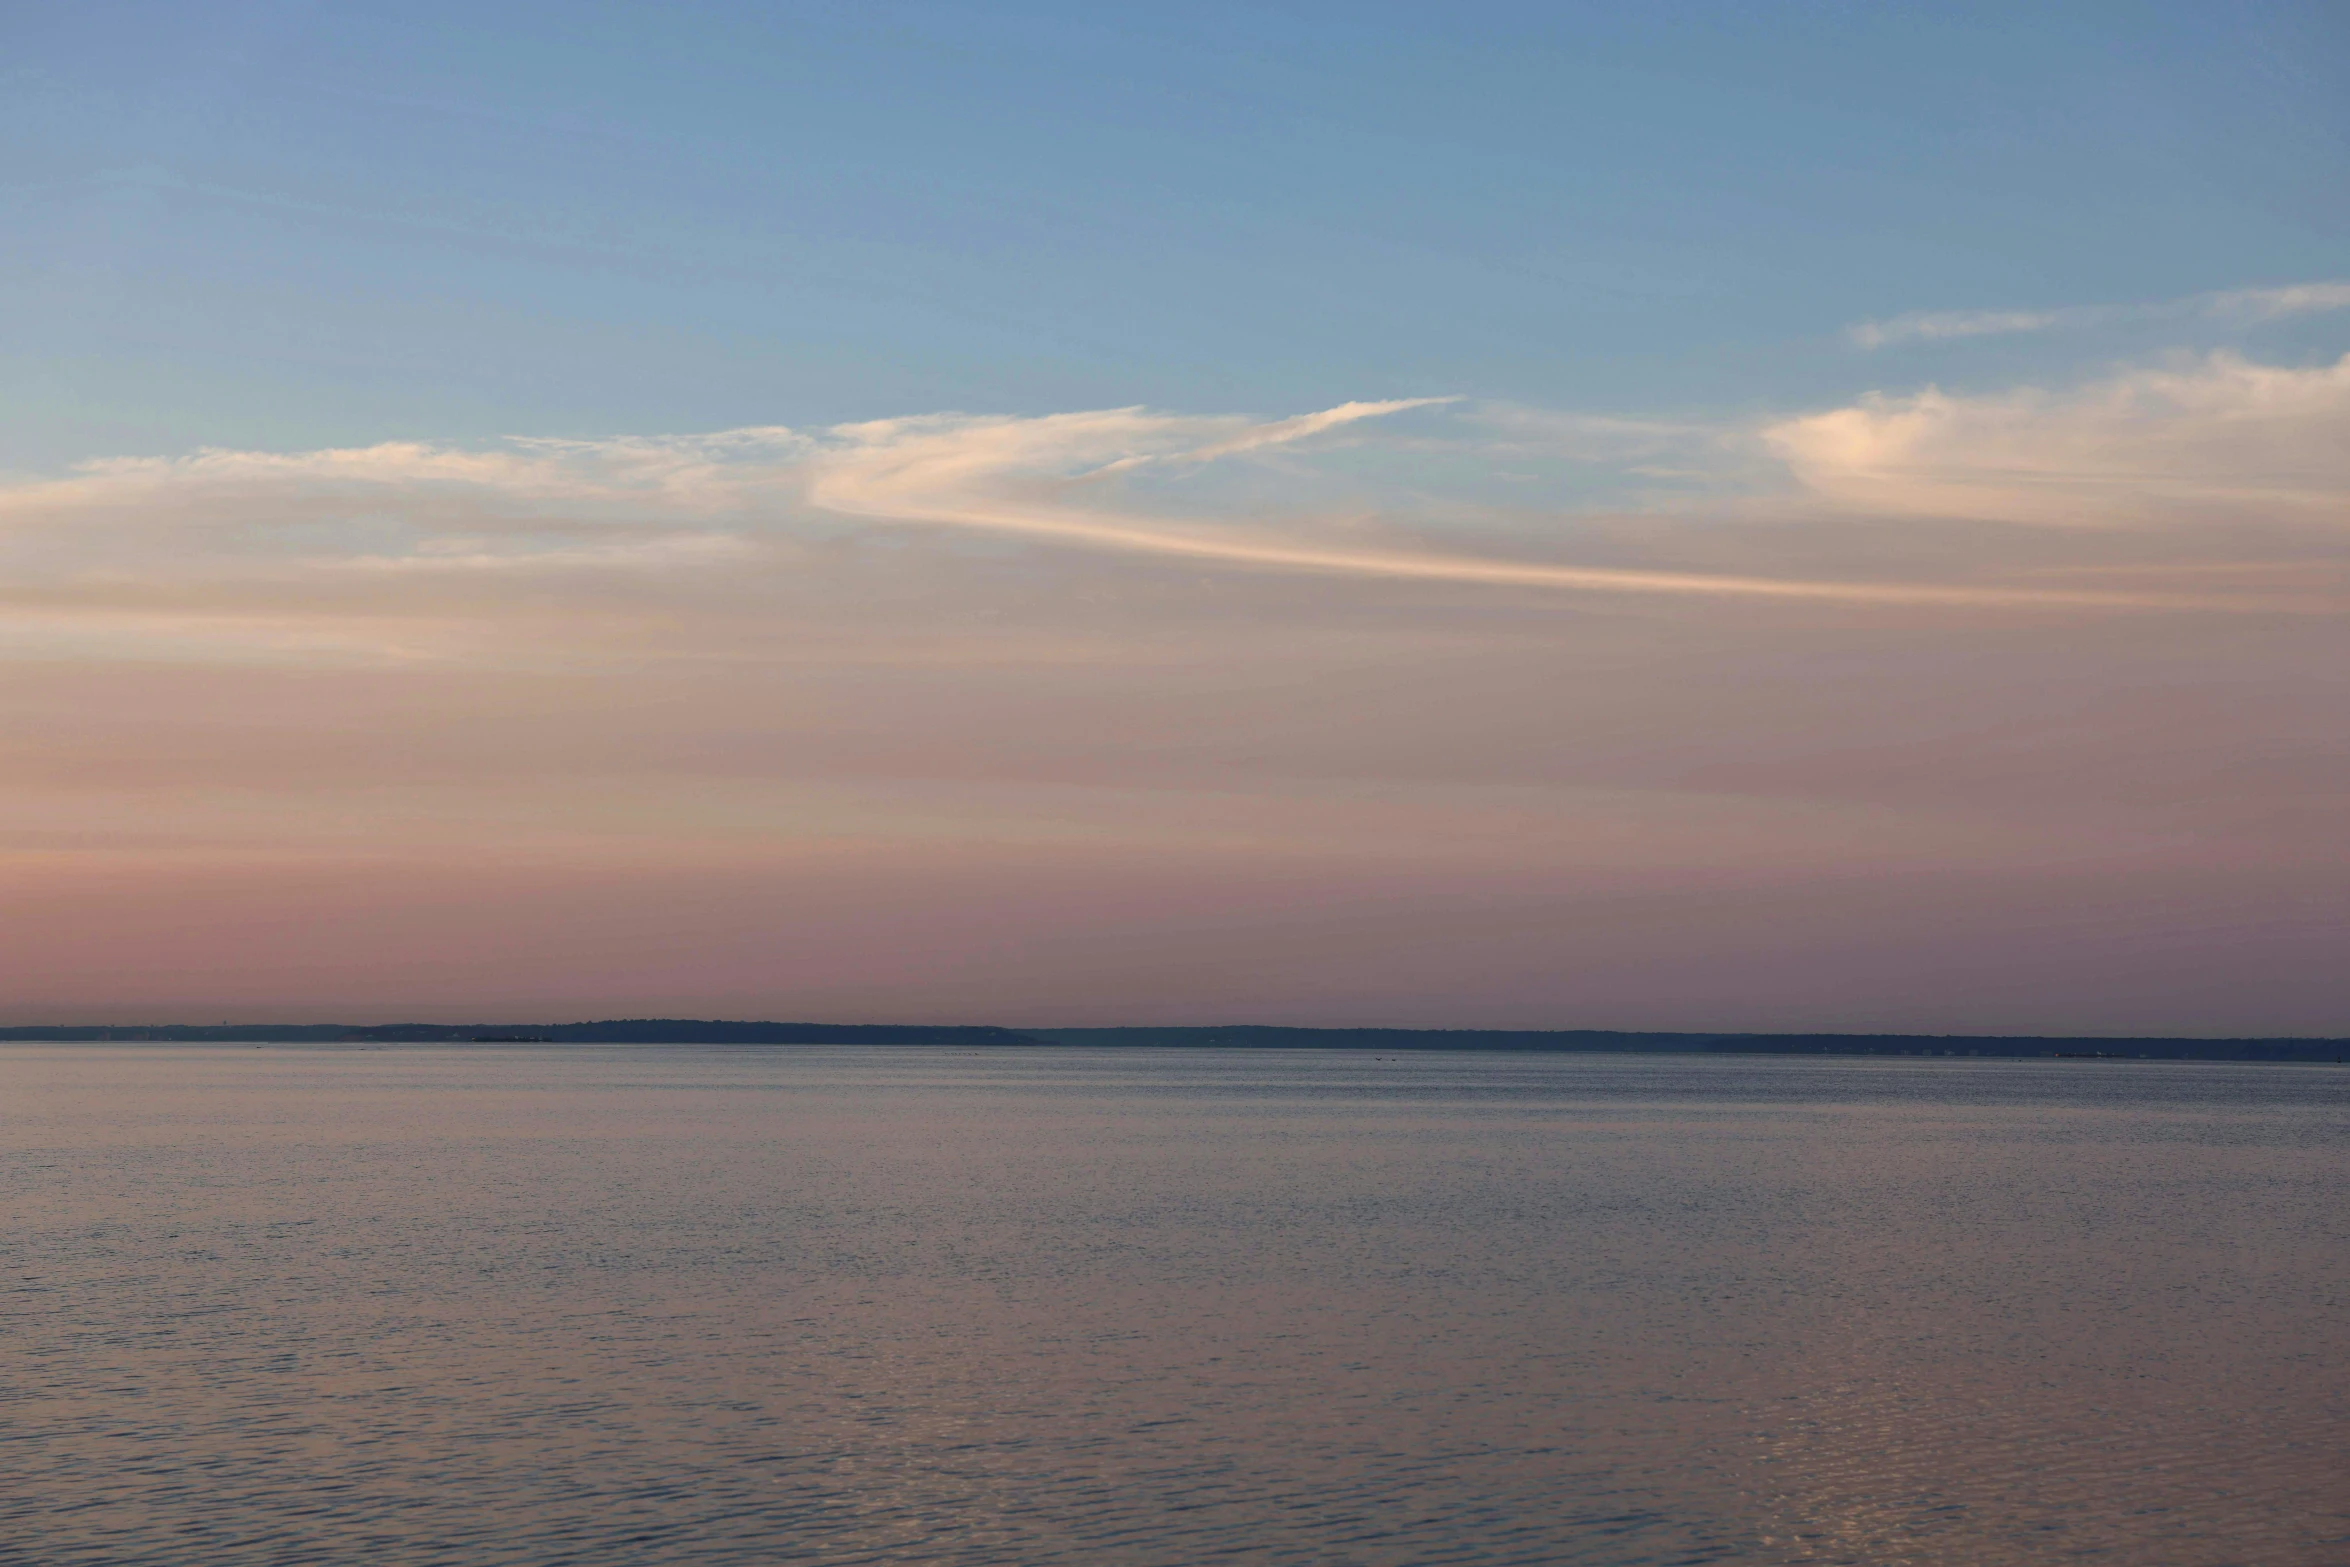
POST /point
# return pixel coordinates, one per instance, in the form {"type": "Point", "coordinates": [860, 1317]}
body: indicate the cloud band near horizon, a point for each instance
{"type": "Point", "coordinates": [1931, 711]}
{"type": "Point", "coordinates": [2172, 472]}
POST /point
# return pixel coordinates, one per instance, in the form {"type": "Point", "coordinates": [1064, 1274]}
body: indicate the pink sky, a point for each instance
{"type": "Point", "coordinates": [2023, 710]}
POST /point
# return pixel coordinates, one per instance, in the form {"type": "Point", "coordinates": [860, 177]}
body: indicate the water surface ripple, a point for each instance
{"type": "Point", "coordinates": [654, 1305]}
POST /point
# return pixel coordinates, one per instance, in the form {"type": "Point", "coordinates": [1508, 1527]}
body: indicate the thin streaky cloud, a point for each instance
{"type": "Point", "coordinates": [2237, 304]}
{"type": "Point", "coordinates": [1109, 531]}
{"type": "Point", "coordinates": [1283, 431]}
{"type": "Point", "coordinates": [1928, 326]}
{"type": "Point", "coordinates": [559, 532]}
{"type": "Point", "coordinates": [945, 477]}
{"type": "Point", "coordinates": [2271, 304]}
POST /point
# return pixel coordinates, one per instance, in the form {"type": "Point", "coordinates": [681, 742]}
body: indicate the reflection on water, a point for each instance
{"type": "Point", "coordinates": [653, 1305]}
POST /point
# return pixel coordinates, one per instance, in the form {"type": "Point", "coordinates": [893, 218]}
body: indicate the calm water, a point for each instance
{"type": "Point", "coordinates": [657, 1305]}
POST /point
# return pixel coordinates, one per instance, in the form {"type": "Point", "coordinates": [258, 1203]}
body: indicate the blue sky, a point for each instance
{"type": "Point", "coordinates": [288, 226]}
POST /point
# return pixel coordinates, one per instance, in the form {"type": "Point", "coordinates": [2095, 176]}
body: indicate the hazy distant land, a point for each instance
{"type": "Point", "coordinates": [683, 1031]}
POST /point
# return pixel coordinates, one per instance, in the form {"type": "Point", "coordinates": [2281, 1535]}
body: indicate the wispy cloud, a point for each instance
{"type": "Point", "coordinates": [2270, 304]}
{"type": "Point", "coordinates": [2216, 444]}
{"type": "Point", "coordinates": [1033, 478]}
{"type": "Point", "coordinates": [409, 548]}
{"type": "Point", "coordinates": [1931, 326]}
{"type": "Point", "coordinates": [2240, 304]}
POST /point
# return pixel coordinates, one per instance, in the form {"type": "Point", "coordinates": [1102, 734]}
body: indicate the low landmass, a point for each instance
{"type": "Point", "coordinates": [693, 1031]}
{"type": "Point", "coordinates": [623, 1031]}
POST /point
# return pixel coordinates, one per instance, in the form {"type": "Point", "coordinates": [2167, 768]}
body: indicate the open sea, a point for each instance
{"type": "Point", "coordinates": [664, 1305]}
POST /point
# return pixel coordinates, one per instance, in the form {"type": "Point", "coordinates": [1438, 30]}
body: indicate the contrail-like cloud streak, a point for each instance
{"type": "Point", "coordinates": [1107, 531]}
{"type": "Point", "coordinates": [981, 477]}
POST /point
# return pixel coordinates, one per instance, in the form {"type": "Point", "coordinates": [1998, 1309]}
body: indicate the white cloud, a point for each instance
{"type": "Point", "coordinates": [2214, 443]}
{"type": "Point", "coordinates": [409, 548]}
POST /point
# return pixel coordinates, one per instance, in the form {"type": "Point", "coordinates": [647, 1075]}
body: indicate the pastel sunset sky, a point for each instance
{"type": "Point", "coordinates": [1809, 516]}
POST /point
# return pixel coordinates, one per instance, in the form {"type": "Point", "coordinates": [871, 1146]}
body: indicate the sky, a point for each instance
{"type": "Point", "coordinates": [1818, 517]}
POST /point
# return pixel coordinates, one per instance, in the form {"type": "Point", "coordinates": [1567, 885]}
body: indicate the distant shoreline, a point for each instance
{"type": "Point", "coordinates": [690, 1031]}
